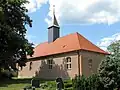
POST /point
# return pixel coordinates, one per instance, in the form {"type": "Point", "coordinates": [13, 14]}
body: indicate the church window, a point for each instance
{"type": "Point", "coordinates": [68, 59]}
{"type": "Point", "coordinates": [50, 63]}
{"type": "Point", "coordinates": [30, 66]}
{"type": "Point", "coordinates": [90, 64]}
{"type": "Point", "coordinates": [68, 66]}
{"type": "Point", "coordinates": [68, 63]}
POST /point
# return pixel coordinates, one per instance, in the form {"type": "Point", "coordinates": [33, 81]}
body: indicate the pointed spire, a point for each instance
{"type": "Point", "coordinates": [53, 30]}
{"type": "Point", "coordinates": [55, 23]}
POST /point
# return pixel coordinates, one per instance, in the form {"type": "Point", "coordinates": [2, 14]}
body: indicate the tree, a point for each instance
{"type": "Point", "coordinates": [109, 69]}
{"type": "Point", "coordinates": [14, 47]}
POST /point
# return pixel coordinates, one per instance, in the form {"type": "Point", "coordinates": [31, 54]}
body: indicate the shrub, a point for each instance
{"type": "Point", "coordinates": [87, 83]}
{"type": "Point", "coordinates": [44, 85]}
{"type": "Point", "coordinates": [68, 85]}
{"type": "Point", "coordinates": [71, 88]}
{"type": "Point", "coordinates": [27, 87]}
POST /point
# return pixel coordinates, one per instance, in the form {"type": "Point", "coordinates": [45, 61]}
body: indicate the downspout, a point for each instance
{"type": "Point", "coordinates": [78, 62]}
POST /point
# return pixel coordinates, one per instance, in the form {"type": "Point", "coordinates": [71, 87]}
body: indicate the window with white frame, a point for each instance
{"type": "Point", "coordinates": [50, 63]}
{"type": "Point", "coordinates": [68, 63]}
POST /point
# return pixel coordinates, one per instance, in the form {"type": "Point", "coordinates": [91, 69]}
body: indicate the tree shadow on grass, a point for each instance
{"type": "Point", "coordinates": [6, 82]}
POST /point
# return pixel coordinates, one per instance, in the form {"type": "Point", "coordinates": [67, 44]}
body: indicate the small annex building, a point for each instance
{"type": "Point", "coordinates": [64, 57]}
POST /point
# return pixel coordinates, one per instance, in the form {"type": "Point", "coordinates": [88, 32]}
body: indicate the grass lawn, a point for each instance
{"type": "Point", "coordinates": [14, 84]}
{"type": "Point", "coordinates": [18, 84]}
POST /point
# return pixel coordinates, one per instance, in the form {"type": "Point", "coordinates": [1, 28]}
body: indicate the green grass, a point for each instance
{"type": "Point", "coordinates": [18, 84]}
{"type": "Point", "coordinates": [14, 84]}
{"type": "Point", "coordinates": [13, 87]}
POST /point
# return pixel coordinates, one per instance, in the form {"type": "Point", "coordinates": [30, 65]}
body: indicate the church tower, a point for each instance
{"type": "Point", "coordinates": [53, 30]}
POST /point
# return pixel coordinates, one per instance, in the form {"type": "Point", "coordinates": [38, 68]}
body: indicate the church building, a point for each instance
{"type": "Point", "coordinates": [64, 57]}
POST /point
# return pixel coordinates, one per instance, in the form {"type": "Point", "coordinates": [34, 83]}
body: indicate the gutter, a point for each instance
{"type": "Point", "coordinates": [78, 62]}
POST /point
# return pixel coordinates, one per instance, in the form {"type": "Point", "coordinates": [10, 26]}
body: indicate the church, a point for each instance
{"type": "Point", "coordinates": [63, 57]}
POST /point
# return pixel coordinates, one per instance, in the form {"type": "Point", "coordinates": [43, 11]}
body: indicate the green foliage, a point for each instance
{"type": "Point", "coordinates": [14, 84]}
{"type": "Point", "coordinates": [109, 69]}
{"type": "Point", "coordinates": [70, 88]}
{"type": "Point", "coordinates": [68, 84]}
{"type": "Point", "coordinates": [87, 83]}
{"type": "Point", "coordinates": [49, 85]}
{"type": "Point", "coordinates": [79, 82]}
{"type": "Point", "coordinates": [19, 84]}
{"type": "Point", "coordinates": [44, 85]}
{"type": "Point", "coordinates": [14, 47]}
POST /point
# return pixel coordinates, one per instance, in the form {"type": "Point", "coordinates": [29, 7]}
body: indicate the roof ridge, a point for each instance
{"type": "Point", "coordinates": [56, 39]}
{"type": "Point", "coordinates": [78, 39]}
{"type": "Point", "coordinates": [66, 35]}
{"type": "Point", "coordinates": [40, 43]}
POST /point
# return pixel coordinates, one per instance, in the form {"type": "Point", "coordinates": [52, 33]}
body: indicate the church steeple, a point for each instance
{"type": "Point", "coordinates": [53, 30]}
{"type": "Point", "coordinates": [55, 23]}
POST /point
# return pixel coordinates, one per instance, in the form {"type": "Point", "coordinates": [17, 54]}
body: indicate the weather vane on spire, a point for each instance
{"type": "Point", "coordinates": [53, 9]}
{"type": "Point", "coordinates": [54, 20]}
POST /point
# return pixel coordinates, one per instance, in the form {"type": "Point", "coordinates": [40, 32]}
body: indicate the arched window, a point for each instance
{"type": "Point", "coordinates": [68, 63]}
{"type": "Point", "coordinates": [30, 66]}
{"type": "Point", "coordinates": [68, 59]}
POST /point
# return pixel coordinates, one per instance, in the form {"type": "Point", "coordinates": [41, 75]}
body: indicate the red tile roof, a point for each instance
{"type": "Point", "coordinates": [64, 44]}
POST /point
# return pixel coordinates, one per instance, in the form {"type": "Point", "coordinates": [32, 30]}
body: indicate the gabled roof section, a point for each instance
{"type": "Point", "coordinates": [71, 42]}
{"type": "Point", "coordinates": [89, 46]}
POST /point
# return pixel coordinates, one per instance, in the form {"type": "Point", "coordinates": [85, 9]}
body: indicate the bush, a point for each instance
{"type": "Point", "coordinates": [68, 85]}
{"type": "Point", "coordinates": [8, 73]}
{"type": "Point", "coordinates": [27, 87]}
{"type": "Point", "coordinates": [44, 85]}
{"type": "Point", "coordinates": [68, 81]}
{"type": "Point", "coordinates": [49, 85]}
{"type": "Point", "coordinates": [71, 88]}
{"type": "Point", "coordinates": [87, 83]}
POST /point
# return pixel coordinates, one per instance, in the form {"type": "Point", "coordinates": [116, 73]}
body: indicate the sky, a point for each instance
{"type": "Point", "coordinates": [96, 20]}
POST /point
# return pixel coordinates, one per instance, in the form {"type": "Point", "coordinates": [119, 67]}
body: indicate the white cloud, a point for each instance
{"type": "Point", "coordinates": [108, 40]}
{"type": "Point", "coordinates": [86, 11]}
{"type": "Point", "coordinates": [33, 5]}
{"type": "Point", "coordinates": [81, 11]}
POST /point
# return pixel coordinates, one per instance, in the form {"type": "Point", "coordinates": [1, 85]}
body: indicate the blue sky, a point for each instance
{"type": "Point", "coordinates": [100, 27]}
